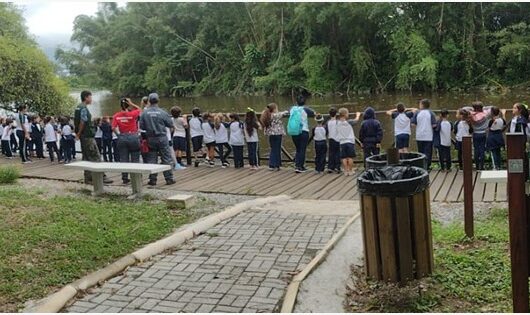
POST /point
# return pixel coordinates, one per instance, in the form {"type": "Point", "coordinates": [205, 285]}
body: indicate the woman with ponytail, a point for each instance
{"type": "Point", "coordinates": [271, 120]}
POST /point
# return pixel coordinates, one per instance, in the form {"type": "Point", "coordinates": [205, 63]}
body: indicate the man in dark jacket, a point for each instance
{"type": "Point", "coordinates": [371, 133]}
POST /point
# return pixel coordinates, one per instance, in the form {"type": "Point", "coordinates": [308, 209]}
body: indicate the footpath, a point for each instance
{"type": "Point", "coordinates": [243, 264]}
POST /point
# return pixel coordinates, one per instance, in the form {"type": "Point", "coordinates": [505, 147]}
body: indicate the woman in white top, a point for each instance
{"type": "Point", "coordinates": [251, 136]}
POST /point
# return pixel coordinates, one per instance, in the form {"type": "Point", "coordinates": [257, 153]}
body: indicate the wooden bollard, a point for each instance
{"type": "Point", "coordinates": [518, 219]}
{"type": "Point", "coordinates": [468, 186]}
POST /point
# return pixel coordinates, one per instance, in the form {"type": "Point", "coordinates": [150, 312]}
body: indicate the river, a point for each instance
{"type": "Point", "coordinates": [105, 103]}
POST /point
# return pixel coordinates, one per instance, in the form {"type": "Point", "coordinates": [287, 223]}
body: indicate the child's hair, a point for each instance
{"type": "Point", "coordinates": [332, 112]}
{"type": "Point", "coordinates": [145, 100]}
{"type": "Point", "coordinates": [300, 100]}
{"type": "Point", "coordinates": [400, 107]}
{"type": "Point", "coordinates": [425, 103]}
{"type": "Point", "coordinates": [34, 118]}
{"type": "Point", "coordinates": [63, 120]}
{"type": "Point", "coordinates": [522, 109]}
{"type": "Point", "coordinates": [463, 113]}
{"type": "Point", "coordinates": [251, 122]}
{"type": "Point", "coordinates": [8, 121]}
{"type": "Point", "coordinates": [234, 117]}
{"type": "Point", "coordinates": [266, 115]}
{"type": "Point", "coordinates": [477, 106]}
{"type": "Point", "coordinates": [343, 112]}
{"type": "Point", "coordinates": [218, 120]}
{"type": "Point", "coordinates": [196, 112]}
{"type": "Point", "coordinates": [444, 113]}
{"type": "Point", "coordinates": [21, 107]}
{"type": "Point", "coordinates": [176, 111]}
{"type": "Point", "coordinates": [205, 116]}
{"type": "Point", "coordinates": [495, 111]}
{"type": "Point", "coordinates": [97, 121]}
{"type": "Point", "coordinates": [319, 119]}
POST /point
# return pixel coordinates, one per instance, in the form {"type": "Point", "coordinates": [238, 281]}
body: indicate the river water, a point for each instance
{"type": "Point", "coordinates": [106, 104]}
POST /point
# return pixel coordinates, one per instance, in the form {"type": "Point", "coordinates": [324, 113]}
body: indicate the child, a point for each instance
{"type": "Point", "coordinates": [495, 139]}
{"type": "Point", "coordinates": [209, 138]}
{"type": "Point", "coordinates": [480, 117]}
{"type": "Point", "coordinates": [221, 139]}
{"type": "Point", "coordinates": [7, 130]}
{"type": "Point", "coordinates": [251, 136]}
{"type": "Point", "coordinates": [519, 118]}
{"type": "Point", "coordinates": [371, 133]}
{"type": "Point", "coordinates": [196, 135]}
{"type": "Point", "coordinates": [67, 140]}
{"type": "Point", "coordinates": [50, 138]}
{"type": "Point", "coordinates": [445, 141]}
{"type": "Point", "coordinates": [237, 139]}
{"type": "Point", "coordinates": [98, 135]}
{"type": "Point", "coordinates": [401, 117]}
{"type": "Point", "coordinates": [319, 135]}
{"type": "Point", "coordinates": [425, 122]}
{"type": "Point", "coordinates": [347, 140]}
{"type": "Point", "coordinates": [180, 123]}
{"type": "Point", "coordinates": [334, 145]}
{"type": "Point", "coordinates": [461, 129]}
{"type": "Point", "coordinates": [106, 139]}
{"type": "Point", "coordinates": [37, 134]}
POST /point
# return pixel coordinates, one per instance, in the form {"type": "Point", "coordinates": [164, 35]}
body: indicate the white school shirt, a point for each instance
{"type": "Point", "coordinates": [24, 122]}
{"type": "Point", "coordinates": [254, 137]}
{"type": "Point", "coordinates": [402, 122]}
{"type": "Point", "coordinates": [180, 131]}
{"type": "Point", "coordinates": [332, 129]}
{"type": "Point", "coordinates": [424, 119]}
{"type": "Point", "coordinates": [196, 127]}
{"type": "Point", "coordinates": [1, 131]}
{"type": "Point", "coordinates": [345, 132]}
{"type": "Point", "coordinates": [498, 124]}
{"type": "Point", "coordinates": [66, 130]}
{"type": "Point", "coordinates": [49, 133]}
{"type": "Point", "coordinates": [319, 134]}
{"type": "Point", "coordinates": [463, 130]}
{"type": "Point", "coordinates": [445, 133]}
{"type": "Point", "coordinates": [513, 123]}
{"type": "Point", "coordinates": [168, 134]}
{"type": "Point", "coordinates": [236, 133]}
{"type": "Point", "coordinates": [209, 133]}
{"type": "Point", "coordinates": [99, 133]}
{"type": "Point", "coordinates": [221, 134]}
{"type": "Point", "coordinates": [6, 133]}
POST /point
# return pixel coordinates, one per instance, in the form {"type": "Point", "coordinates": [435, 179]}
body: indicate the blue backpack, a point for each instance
{"type": "Point", "coordinates": [294, 125]}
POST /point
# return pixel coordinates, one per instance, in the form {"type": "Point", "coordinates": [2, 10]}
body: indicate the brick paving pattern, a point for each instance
{"type": "Point", "coordinates": [243, 264]}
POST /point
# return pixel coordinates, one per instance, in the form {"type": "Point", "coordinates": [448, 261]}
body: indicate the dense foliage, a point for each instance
{"type": "Point", "coordinates": [277, 48]}
{"type": "Point", "coordinates": [26, 75]}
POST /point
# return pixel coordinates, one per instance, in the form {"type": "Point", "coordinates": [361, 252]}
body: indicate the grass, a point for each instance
{"type": "Point", "coordinates": [470, 275]}
{"type": "Point", "coordinates": [9, 174]}
{"type": "Point", "coordinates": [47, 242]}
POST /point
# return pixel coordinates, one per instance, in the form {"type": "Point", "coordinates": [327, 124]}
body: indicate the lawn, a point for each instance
{"type": "Point", "coordinates": [470, 275]}
{"type": "Point", "coordinates": [47, 242]}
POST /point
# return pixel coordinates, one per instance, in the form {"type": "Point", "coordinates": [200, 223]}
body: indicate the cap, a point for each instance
{"type": "Point", "coordinates": [319, 118]}
{"type": "Point", "coordinates": [153, 98]}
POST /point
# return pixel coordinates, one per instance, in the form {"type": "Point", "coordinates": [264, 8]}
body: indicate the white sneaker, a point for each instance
{"type": "Point", "coordinates": [178, 167]}
{"type": "Point", "coordinates": [182, 166]}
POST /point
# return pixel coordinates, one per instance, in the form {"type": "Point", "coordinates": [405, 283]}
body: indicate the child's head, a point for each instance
{"type": "Point", "coordinates": [343, 113]}
{"type": "Point", "coordinates": [519, 109]}
{"type": "Point", "coordinates": [64, 120]}
{"type": "Point", "coordinates": [444, 114]}
{"type": "Point", "coordinates": [234, 117]}
{"type": "Point", "coordinates": [332, 112]}
{"type": "Point", "coordinates": [145, 101]}
{"type": "Point", "coordinates": [400, 107]}
{"type": "Point", "coordinates": [495, 111]}
{"type": "Point", "coordinates": [218, 120]}
{"type": "Point", "coordinates": [319, 119]}
{"type": "Point", "coordinates": [206, 117]}
{"type": "Point", "coordinates": [35, 119]}
{"type": "Point", "coordinates": [21, 108]}
{"type": "Point", "coordinates": [196, 112]}
{"type": "Point", "coordinates": [477, 106]}
{"type": "Point", "coordinates": [251, 121]}
{"type": "Point", "coordinates": [425, 103]}
{"type": "Point", "coordinates": [176, 111]}
{"type": "Point", "coordinates": [47, 119]}
{"type": "Point", "coordinates": [463, 114]}
{"type": "Point", "coordinates": [9, 121]}
{"type": "Point", "coordinates": [105, 119]}
{"type": "Point", "coordinates": [369, 113]}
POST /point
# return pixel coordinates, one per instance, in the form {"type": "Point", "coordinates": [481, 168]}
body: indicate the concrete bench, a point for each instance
{"type": "Point", "coordinates": [136, 171]}
{"type": "Point", "coordinates": [494, 176]}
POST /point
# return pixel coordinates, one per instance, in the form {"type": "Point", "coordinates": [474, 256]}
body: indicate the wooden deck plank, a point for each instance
{"type": "Point", "coordinates": [501, 192]}
{"type": "Point", "coordinates": [478, 188]}
{"type": "Point", "coordinates": [436, 183]}
{"type": "Point", "coordinates": [489, 192]}
{"type": "Point", "coordinates": [444, 189]}
{"type": "Point", "coordinates": [461, 197]}
{"type": "Point", "coordinates": [309, 190]}
{"type": "Point", "coordinates": [456, 187]}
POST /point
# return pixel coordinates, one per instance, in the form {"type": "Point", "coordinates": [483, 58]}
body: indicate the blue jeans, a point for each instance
{"type": "Point", "coordinates": [425, 147]}
{"type": "Point", "coordinates": [252, 153]}
{"type": "Point", "coordinates": [479, 148]}
{"type": "Point", "coordinates": [275, 157]}
{"type": "Point", "coordinates": [300, 142]}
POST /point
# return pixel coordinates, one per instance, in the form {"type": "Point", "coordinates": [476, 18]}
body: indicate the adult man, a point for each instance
{"type": "Point", "coordinates": [154, 122]}
{"type": "Point", "coordinates": [84, 131]}
{"type": "Point", "coordinates": [125, 125]}
{"type": "Point", "coordinates": [23, 133]}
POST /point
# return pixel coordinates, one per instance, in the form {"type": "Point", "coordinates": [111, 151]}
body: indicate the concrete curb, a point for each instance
{"type": "Point", "coordinates": [57, 301]}
{"type": "Point", "coordinates": [289, 299]}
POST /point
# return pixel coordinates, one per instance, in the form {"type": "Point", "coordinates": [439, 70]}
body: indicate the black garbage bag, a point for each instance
{"type": "Point", "coordinates": [393, 181]}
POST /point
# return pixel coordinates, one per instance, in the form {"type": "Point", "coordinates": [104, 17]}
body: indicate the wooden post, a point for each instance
{"type": "Point", "coordinates": [468, 185]}
{"type": "Point", "coordinates": [518, 220]}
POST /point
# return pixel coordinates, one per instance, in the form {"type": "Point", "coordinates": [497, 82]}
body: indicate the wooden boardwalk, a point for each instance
{"type": "Point", "coordinates": [444, 187]}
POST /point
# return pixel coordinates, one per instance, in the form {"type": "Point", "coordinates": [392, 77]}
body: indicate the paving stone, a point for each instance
{"type": "Point", "coordinates": [191, 307]}
{"type": "Point", "coordinates": [227, 309]}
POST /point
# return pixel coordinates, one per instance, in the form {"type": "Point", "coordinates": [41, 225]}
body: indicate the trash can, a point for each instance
{"type": "Point", "coordinates": [396, 223]}
{"type": "Point", "coordinates": [411, 158]}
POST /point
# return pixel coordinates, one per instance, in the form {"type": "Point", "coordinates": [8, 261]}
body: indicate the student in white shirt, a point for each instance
{"type": "Point", "coordinates": [495, 139]}
{"type": "Point", "coordinates": [196, 134]}
{"type": "Point", "coordinates": [347, 140]}
{"type": "Point", "coordinates": [237, 139]}
{"type": "Point", "coordinates": [251, 136]}
{"type": "Point", "coordinates": [321, 147]}
{"type": "Point", "coordinates": [50, 138]}
{"type": "Point", "coordinates": [334, 145]}
{"type": "Point", "coordinates": [180, 124]}
{"type": "Point", "coordinates": [425, 122]}
{"type": "Point", "coordinates": [221, 138]}
{"type": "Point", "coordinates": [7, 130]}
{"type": "Point", "coordinates": [401, 117]}
{"type": "Point", "coordinates": [209, 138]}
{"type": "Point", "coordinates": [461, 129]}
{"type": "Point", "coordinates": [445, 141]}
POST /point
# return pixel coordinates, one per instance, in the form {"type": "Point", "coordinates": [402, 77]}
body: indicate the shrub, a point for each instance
{"type": "Point", "coordinates": [9, 174]}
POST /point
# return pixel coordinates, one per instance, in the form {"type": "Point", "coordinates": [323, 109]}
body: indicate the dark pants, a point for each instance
{"type": "Point", "coordinates": [300, 142]}
{"type": "Point", "coordinates": [445, 157]}
{"type": "Point", "coordinates": [321, 149]}
{"type": "Point", "coordinates": [370, 149]}
{"type": "Point", "coordinates": [99, 143]}
{"type": "Point", "coordinates": [252, 153]}
{"type": "Point", "coordinates": [497, 159]}
{"type": "Point", "coordinates": [115, 151]}
{"type": "Point", "coordinates": [129, 150]}
{"type": "Point", "coordinates": [22, 146]}
{"type": "Point", "coordinates": [238, 156]}
{"type": "Point", "coordinates": [39, 147]}
{"type": "Point", "coordinates": [6, 148]}
{"type": "Point", "coordinates": [334, 155]}
{"type": "Point", "coordinates": [275, 156]}
{"type": "Point", "coordinates": [479, 149]}
{"type": "Point", "coordinates": [13, 143]}
{"type": "Point", "coordinates": [52, 148]}
{"type": "Point", "coordinates": [425, 147]}
{"type": "Point", "coordinates": [107, 150]}
{"type": "Point", "coordinates": [459, 154]}
{"type": "Point", "coordinates": [222, 154]}
{"type": "Point", "coordinates": [67, 146]}
{"type": "Point", "coordinates": [90, 152]}
{"type": "Point", "coordinates": [159, 145]}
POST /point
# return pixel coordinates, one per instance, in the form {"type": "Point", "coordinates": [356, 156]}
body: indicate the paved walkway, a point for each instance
{"type": "Point", "coordinates": [243, 264]}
